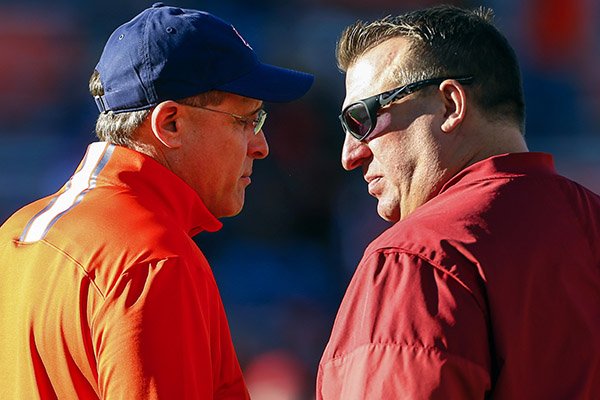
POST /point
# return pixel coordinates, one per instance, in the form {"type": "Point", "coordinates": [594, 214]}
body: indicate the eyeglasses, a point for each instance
{"type": "Point", "coordinates": [257, 123]}
{"type": "Point", "coordinates": [359, 119]}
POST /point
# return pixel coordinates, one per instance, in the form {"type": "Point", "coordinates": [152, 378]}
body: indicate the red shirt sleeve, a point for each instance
{"type": "Point", "coordinates": [162, 334]}
{"type": "Point", "coordinates": [406, 330]}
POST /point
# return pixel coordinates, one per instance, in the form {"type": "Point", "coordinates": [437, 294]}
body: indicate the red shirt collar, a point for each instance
{"type": "Point", "coordinates": [505, 165]}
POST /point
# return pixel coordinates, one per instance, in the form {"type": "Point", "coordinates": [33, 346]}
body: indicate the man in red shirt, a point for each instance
{"type": "Point", "coordinates": [487, 285]}
{"type": "Point", "coordinates": [103, 293]}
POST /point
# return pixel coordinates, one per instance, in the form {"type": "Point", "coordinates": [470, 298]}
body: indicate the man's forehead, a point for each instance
{"type": "Point", "coordinates": [375, 70]}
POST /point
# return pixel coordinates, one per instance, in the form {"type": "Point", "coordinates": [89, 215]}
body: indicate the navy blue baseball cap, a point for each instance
{"type": "Point", "coordinates": [169, 53]}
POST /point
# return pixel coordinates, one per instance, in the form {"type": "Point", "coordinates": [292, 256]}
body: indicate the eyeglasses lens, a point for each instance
{"type": "Point", "coordinates": [260, 121]}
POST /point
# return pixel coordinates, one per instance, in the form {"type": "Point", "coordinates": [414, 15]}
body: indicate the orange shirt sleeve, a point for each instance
{"type": "Point", "coordinates": [161, 333]}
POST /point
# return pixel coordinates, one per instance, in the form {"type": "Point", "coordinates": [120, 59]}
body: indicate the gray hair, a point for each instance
{"type": "Point", "coordinates": [120, 128]}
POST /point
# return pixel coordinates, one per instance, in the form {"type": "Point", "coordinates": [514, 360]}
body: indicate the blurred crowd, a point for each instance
{"type": "Point", "coordinates": [282, 265]}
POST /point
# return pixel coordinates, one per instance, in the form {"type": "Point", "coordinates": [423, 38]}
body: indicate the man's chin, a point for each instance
{"type": "Point", "coordinates": [233, 211]}
{"type": "Point", "coordinates": [229, 210]}
{"type": "Point", "coordinates": [388, 213]}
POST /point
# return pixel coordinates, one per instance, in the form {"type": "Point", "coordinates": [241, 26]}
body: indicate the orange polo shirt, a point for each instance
{"type": "Point", "coordinates": [103, 293]}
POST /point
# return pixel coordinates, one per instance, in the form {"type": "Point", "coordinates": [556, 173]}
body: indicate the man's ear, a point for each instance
{"type": "Point", "coordinates": [455, 102]}
{"type": "Point", "coordinates": [166, 125]}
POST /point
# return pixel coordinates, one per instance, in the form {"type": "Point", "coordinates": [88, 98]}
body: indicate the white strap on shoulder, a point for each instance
{"type": "Point", "coordinates": [84, 180]}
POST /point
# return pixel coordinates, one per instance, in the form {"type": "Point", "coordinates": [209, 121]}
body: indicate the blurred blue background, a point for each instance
{"type": "Point", "coordinates": [284, 263]}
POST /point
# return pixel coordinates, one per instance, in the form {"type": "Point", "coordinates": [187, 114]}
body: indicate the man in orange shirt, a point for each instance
{"type": "Point", "coordinates": [103, 293]}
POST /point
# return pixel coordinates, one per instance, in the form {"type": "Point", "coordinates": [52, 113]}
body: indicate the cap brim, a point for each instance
{"type": "Point", "coordinates": [270, 83]}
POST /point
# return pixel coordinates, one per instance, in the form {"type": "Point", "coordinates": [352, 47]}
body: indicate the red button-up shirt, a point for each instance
{"type": "Point", "coordinates": [492, 288]}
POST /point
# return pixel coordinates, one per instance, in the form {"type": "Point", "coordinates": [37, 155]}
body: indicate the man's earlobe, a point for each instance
{"type": "Point", "coordinates": [455, 101]}
{"type": "Point", "coordinates": [165, 124]}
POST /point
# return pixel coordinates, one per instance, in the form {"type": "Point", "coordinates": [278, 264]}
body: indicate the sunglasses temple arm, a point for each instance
{"type": "Point", "coordinates": [407, 89]}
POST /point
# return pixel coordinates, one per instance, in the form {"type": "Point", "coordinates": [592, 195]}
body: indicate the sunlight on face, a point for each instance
{"type": "Point", "coordinates": [399, 160]}
{"type": "Point", "coordinates": [218, 154]}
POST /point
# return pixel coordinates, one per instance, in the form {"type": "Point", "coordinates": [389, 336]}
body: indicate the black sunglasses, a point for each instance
{"type": "Point", "coordinates": [359, 119]}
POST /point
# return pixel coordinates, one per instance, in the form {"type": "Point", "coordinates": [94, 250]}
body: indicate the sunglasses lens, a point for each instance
{"type": "Point", "coordinates": [357, 121]}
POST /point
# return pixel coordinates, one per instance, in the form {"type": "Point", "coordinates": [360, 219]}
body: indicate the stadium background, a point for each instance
{"type": "Point", "coordinates": [283, 264]}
